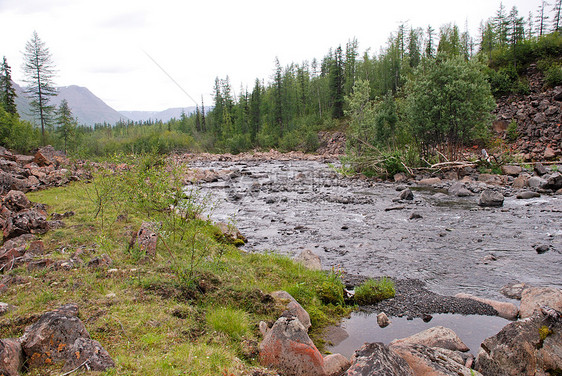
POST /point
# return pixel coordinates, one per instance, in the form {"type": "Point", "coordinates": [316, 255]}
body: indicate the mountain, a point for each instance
{"type": "Point", "coordinates": [164, 116]}
{"type": "Point", "coordinates": [85, 106]}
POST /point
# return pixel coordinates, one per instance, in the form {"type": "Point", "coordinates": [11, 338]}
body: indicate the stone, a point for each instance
{"type": "Point", "coordinates": [415, 216]}
{"type": "Point", "coordinates": [540, 169]}
{"type": "Point", "coordinates": [50, 339]}
{"type": "Point", "coordinates": [490, 198]}
{"type": "Point", "coordinates": [335, 364]}
{"type": "Point", "coordinates": [382, 320]}
{"type": "Point", "coordinates": [511, 170]}
{"type": "Point", "coordinates": [5, 308]}
{"type": "Point", "coordinates": [100, 261]}
{"type": "Point", "coordinates": [526, 347]}
{"type": "Point", "coordinates": [532, 298]}
{"type": "Point", "coordinates": [377, 359]}
{"type": "Point", "coordinates": [542, 248]}
{"type": "Point", "coordinates": [16, 201]}
{"type": "Point", "coordinates": [520, 181]}
{"type": "Point", "coordinates": [400, 177]}
{"type": "Point", "coordinates": [288, 348]}
{"type": "Point", "coordinates": [458, 189]}
{"type": "Point", "coordinates": [554, 181]}
{"type": "Point", "coordinates": [29, 221]}
{"type": "Point", "coordinates": [549, 153]}
{"type": "Point", "coordinates": [406, 194]}
{"type": "Point", "coordinates": [513, 290]}
{"type": "Point", "coordinates": [230, 233]}
{"type": "Point", "coordinates": [90, 351]}
{"type": "Point", "coordinates": [506, 310]}
{"type": "Point", "coordinates": [11, 357]}
{"type": "Point", "coordinates": [292, 307]}
{"type": "Point", "coordinates": [147, 238]}
{"type": "Point", "coordinates": [433, 361]}
{"type": "Point", "coordinates": [429, 181]}
{"type": "Point", "coordinates": [527, 195]}
{"type": "Point", "coordinates": [437, 336]}
{"type": "Point", "coordinates": [536, 182]}
{"type": "Point", "coordinates": [309, 259]}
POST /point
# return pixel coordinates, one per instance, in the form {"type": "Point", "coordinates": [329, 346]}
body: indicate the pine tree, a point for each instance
{"type": "Point", "coordinates": [7, 92]}
{"type": "Point", "coordinates": [337, 84]}
{"type": "Point", "coordinates": [500, 24]}
{"type": "Point", "coordinates": [414, 53]}
{"type": "Point", "coordinates": [197, 118]}
{"type": "Point", "coordinates": [40, 70]}
{"type": "Point", "coordinates": [429, 47]}
{"type": "Point", "coordinates": [203, 120]}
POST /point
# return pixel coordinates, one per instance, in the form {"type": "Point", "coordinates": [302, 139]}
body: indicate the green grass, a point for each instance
{"type": "Point", "coordinates": [151, 316]}
{"type": "Point", "coordinates": [373, 291]}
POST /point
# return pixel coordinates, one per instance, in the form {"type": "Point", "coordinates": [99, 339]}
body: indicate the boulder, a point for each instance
{"type": "Point", "coordinates": [540, 169]}
{"type": "Point", "coordinates": [47, 155]}
{"type": "Point", "coordinates": [377, 359]}
{"type": "Point", "coordinates": [433, 361]}
{"type": "Point", "coordinates": [50, 339]}
{"type": "Point", "coordinates": [16, 201]}
{"type": "Point", "coordinates": [549, 153]}
{"type": "Point", "coordinates": [526, 347]}
{"type": "Point", "coordinates": [429, 181]}
{"type": "Point", "coordinates": [29, 221]}
{"type": "Point", "coordinates": [87, 351]}
{"type": "Point", "coordinates": [506, 310]}
{"type": "Point", "coordinates": [532, 298]}
{"type": "Point", "coordinates": [536, 182]}
{"type": "Point", "coordinates": [554, 181]}
{"type": "Point", "coordinates": [309, 259]}
{"type": "Point", "coordinates": [520, 181]}
{"type": "Point", "coordinates": [382, 320]}
{"type": "Point", "coordinates": [288, 348]}
{"type": "Point", "coordinates": [11, 357]}
{"type": "Point", "coordinates": [511, 170]}
{"type": "Point", "coordinates": [513, 290]}
{"type": "Point", "coordinates": [335, 364]}
{"type": "Point", "coordinates": [527, 195]}
{"type": "Point", "coordinates": [437, 336]}
{"type": "Point", "coordinates": [491, 198]}
{"type": "Point", "coordinates": [458, 189]}
{"type": "Point", "coordinates": [406, 194]}
{"type": "Point", "coordinates": [292, 307]}
{"type": "Point", "coordinates": [231, 233]}
{"type": "Point", "coordinates": [147, 238]}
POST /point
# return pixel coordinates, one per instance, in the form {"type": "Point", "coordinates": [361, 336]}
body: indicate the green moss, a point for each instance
{"type": "Point", "coordinates": [544, 332]}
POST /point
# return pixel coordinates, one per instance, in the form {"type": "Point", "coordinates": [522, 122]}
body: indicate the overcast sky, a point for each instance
{"type": "Point", "coordinates": [101, 44]}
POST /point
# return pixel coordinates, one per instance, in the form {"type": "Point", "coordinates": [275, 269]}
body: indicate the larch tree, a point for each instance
{"type": "Point", "coordinates": [7, 92]}
{"type": "Point", "coordinates": [556, 21]}
{"type": "Point", "coordinates": [66, 124]}
{"type": "Point", "coordinates": [542, 18]}
{"type": "Point", "coordinates": [40, 71]}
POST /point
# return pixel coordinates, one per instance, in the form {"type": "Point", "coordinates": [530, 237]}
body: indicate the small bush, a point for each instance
{"type": "Point", "coordinates": [512, 131]}
{"type": "Point", "coordinates": [553, 76]}
{"type": "Point", "coordinates": [373, 291]}
{"type": "Point", "coordinates": [233, 322]}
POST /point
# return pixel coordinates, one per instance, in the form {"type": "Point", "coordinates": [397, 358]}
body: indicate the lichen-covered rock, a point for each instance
{"type": "Point", "coordinates": [16, 201]}
{"type": "Point", "coordinates": [532, 298]}
{"type": "Point", "coordinates": [29, 221]}
{"type": "Point", "coordinates": [49, 339]}
{"type": "Point", "coordinates": [377, 359]}
{"type": "Point", "coordinates": [11, 357]}
{"type": "Point", "coordinates": [90, 352]}
{"type": "Point", "coordinates": [433, 361]}
{"type": "Point", "coordinates": [438, 336]}
{"type": "Point", "coordinates": [288, 348]}
{"type": "Point", "coordinates": [292, 307]}
{"type": "Point", "coordinates": [147, 238]}
{"type": "Point", "coordinates": [528, 347]}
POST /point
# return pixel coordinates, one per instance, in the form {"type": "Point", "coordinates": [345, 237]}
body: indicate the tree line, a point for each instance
{"type": "Point", "coordinates": [377, 97]}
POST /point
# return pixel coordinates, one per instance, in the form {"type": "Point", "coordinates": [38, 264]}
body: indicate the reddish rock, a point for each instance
{"type": "Point", "coordinates": [378, 359]}
{"type": "Point", "coordinates": [16, 201]}
{"type": "Point", "coordinates": [335, 364]}
{"type": "Point", "coordinates": [532, 298]}
{"type": "Point", "coordinates": [11, 357]}
{"type": "Point", "coordinates": [147, 238]}
{"type": "Point", "coordinates": [437, 336]}
{"type": "Point", "coordinates": [292, 307]}
{"type": "Point", "coordinates": [506, 310]}
{"type": "Point", "coordinates": [90, 352]}
{"type": "Point", "coordinates": [288, 348]}
{"type": "Point", "coordinates": [30, 221]}
{"type": "Point", "coordinates": [549, 153]}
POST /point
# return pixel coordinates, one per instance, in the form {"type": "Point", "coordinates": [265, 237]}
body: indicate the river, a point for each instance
{"type": "Point", "coordinates": [354, 225]}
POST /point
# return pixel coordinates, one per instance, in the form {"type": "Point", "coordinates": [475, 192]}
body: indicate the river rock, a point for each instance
{"type": "Point", "coordinates": [536, 182]}
{"type": "Point", "coordinates": [11, 357]}
{"type": "Point", "coordinates": [458, 189]}
{"type": "Point", "coordinates": [489, 197]}
{"type": "Point", "coordinates": [429, 181]}
{"type": "Point", "coordinates": [437, 336]}
{"type": "Point", "coordinates": [85, 349]}
{"type": "Point", "coordinates": [506, 310]}
{"type": "Point", "coordinates": [526, 347]}
{"type": "Point", "coordinates": [309, 259]}
{"type": "Point", "coordinates": [406, 194]}
{"type": "Point", "coordinates": [554, 181]}
{"type": "Point", "coordinates": [433, 361]}
{"type": "Point", "coordinates": [542, 248]}
{"type": "Point", "coordinates": [532, 298]}
{"type": "Point", "coordinates": [288, 348]}
{"type": "Point", "coordinates": [230, 233]}
{"type": "Point", "coordinates": [49, 339]}
{"type": "Point", "coordinates": [511, 170]}
{"type": "Point", "coordinates": [513, 290]}
{"type": "Point", "coordinates": [292, 307]}
{"type": "Point", "coordinates": [335, 364]}
{"type": "Point", "coordinates": [540, 169]}
{"type": "Point", "coordinates": [382, 320]}
{"type": "Point", "coordinates": [520, 181]}
{"type": "Point", "coordinates": [377, 359]}
{"type": "Point", "coordinates": [527, 195]}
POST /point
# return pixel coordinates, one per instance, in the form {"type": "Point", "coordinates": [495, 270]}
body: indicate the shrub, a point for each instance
{"type": "Point", "coordinates": [553, 75]}
{"type": "Point", "coordinates": [512, 131]}
{"type": "Point", "coordinates": [373, 291]}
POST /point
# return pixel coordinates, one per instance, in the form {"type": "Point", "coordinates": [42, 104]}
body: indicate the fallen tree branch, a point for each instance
{"type": "Point", "coordinates": [77, 368]}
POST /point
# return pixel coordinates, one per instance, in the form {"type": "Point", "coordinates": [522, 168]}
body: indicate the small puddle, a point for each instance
{"type": "Point", "coordinates": [362, 327]}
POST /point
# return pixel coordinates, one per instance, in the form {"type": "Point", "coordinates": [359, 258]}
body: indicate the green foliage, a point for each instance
{"type": "Point", "coordinates": [16, 134]}
{"type": "Point", "coordinates": [511, 131]}
{"type": "Point", "coordinates": [331, 290]}
{"type": "Point", "coordinates": [553, 75]}
{"type": "Point", "coordinates": [230, 321]}
{"type": "Point", "coordinates": [373, 291]}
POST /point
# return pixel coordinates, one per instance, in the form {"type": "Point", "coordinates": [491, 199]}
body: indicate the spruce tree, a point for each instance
{"type": "Point", "coordinates": [40, 71]}
{"type": "Point", "coordinates": [66, 123]}
{"type": "Point", "coordinates": [7, 92]}
{"type": "Point", "coordinates": [337, 84]}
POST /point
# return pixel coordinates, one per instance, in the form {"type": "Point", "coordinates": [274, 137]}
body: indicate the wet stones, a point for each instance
{"type": "Point", "coordinates": [377, 359]}
{"type": "Point", "coordinates": [532, 298]}
{"type": "Point", "coordinates": [458, 189]}
{"type": "Point", "coordinates": [437, 336]}
{"type": "Point", "coordinates": [527, 195]}
{"type": "Point", "coordinates": [506, 310]}
{"type": "Point", "coordinates": [382, 320]}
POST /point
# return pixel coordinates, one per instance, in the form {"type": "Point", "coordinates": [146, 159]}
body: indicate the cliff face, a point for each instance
{"type": "Point", "coordinates": [538, 117]}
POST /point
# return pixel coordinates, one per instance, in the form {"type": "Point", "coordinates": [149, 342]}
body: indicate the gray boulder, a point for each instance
{"type": "Point", "coordinates": [490, 198]}
{"type": "Point", "coordinates": [437, 336]}
{"type": "Point", "coordinates": [292, 307]}
{"type": "Point", "coordinates": [527, 195]}
{"type": "Point", "coordinates": [540, 169]}
{"type": "Point", "coordinates": [458, 189]}
{"type": "Point", "coordinates": [554, 181]}
{"type": "Point", "coordinates": [536, 182]}
{"type": "Point", "coordinates": [377, 359]}
{"type": "Point", "coordinates": [406, 194]}
{"type": "Point", "coordinates": [309, 259]}
{"type": "Point", "coordinates": [90, 352]}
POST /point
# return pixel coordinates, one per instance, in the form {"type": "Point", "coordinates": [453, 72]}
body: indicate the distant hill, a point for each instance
{"type": "Point", "coordinates": [85, 106]}
{"type": "Point", "coordinates": [164, 116]}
